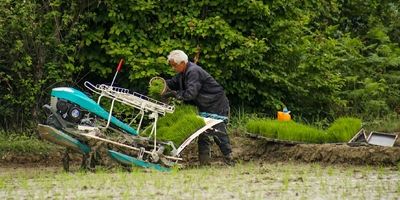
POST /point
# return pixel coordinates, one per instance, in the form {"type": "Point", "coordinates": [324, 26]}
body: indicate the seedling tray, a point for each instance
{"type": "Point", "coordinates": [256, 136]}
{"type": "Point", "coordinates": [382, 139]}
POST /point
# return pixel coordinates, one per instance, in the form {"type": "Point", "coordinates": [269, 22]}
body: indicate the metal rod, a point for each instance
{"type": "Point", "coordinates": [110, 114]}
{"type": "Point", "coordinates": [155, 131]}
{"type": "Point", "coordinates": [140, 122]}
{"type": "Point", "coordinates": [124, 145]}
{"type": "Point", "coordinates": [115, 76]}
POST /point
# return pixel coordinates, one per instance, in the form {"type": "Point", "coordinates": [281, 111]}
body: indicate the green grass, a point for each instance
{"type": "Point", "coordinates": [18, 143]}
{"type": "Point", "coordinates": [342, 130]}
{"type": "Point", "coordinates": [178, 126]}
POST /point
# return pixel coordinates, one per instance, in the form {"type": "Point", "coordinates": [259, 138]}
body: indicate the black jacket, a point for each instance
{"type": "Point", "coordinates": [198, 87]}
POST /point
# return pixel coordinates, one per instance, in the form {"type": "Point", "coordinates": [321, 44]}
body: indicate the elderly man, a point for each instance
{"type": "Point", "coordinates": [195, 86]}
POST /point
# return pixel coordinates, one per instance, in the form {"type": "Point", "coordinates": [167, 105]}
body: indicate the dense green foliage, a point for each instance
{"type": "Point", "coordinates": [39, 44]}
{"type": "Point", "coordinates": [321, 59]}
{"type": "Point", "coordinates": [178, 126]}
{"type": "Point", "coordinates": [342, 130]}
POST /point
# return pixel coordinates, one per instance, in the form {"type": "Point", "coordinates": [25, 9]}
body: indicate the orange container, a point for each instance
{"type": "Point", "coordinates": [282, 116]}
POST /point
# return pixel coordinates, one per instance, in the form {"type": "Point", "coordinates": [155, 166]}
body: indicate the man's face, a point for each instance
{"type": "Point", "coordinates": [178, 67]}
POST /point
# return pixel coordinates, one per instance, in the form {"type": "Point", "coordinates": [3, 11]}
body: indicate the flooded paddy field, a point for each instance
{"type": "Point", "coordinates": [250, 180]}
{"type": "Point", "coordinates": [264, 171]}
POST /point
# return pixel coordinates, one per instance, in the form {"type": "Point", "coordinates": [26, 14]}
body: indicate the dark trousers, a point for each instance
{"type": "Point", "coordinates": [220, 137]}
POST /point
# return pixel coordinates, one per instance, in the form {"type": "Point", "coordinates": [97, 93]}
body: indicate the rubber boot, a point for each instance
{"type": "Point", "coordinates": [204, 159]}
{"type": "Point", "coordinates": [228, 159]}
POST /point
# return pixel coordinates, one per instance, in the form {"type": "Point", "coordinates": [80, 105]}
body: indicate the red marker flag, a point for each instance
{"type": "Point", "coordinates": [121, 62]}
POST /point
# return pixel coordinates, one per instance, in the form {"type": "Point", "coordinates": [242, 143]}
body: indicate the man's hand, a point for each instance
{"type": "Point", "coordinates": [165, 97]}
{"type": "Point", "coordinates": [171, 96]}
{"type": "Point", "coordinates": [169, 93]}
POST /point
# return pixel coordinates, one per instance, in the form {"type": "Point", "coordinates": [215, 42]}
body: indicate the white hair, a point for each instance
{"type": "Point", "coordinates": [177, 56]}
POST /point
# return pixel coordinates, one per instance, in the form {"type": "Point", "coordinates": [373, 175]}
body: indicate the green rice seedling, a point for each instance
{"type": "Point", "coordinates": [343, 129]}
{"type": "Point", "coordinates": [284, 131]}
{"type": "Point", "coordinates": [2, 183]}
{"type": "Point", "coordinates": [323, 183]}
{"type": "Point", "coordinates": [381, 172]}
{"type": "Point", "coordinates": [298, 132]}
{"type": "Point", "coordinates": [265, 127]}
{"type": "Point", "coordinates": [288, 130]}
{"type": "Point", "coordinates": [330, 170]}
{"type": "Point", "coordinates": [156, 87]}
{"type": "Point", "coordinates": [24, 183]}
{"type": "Point", "coordinates": [340, 131]}
{"type": "Point", "coordinates": [317, 136]}
{"type": "Point", "coordinates": [178, 126]}
{"type": "Point", "coordinates": [285, 181]}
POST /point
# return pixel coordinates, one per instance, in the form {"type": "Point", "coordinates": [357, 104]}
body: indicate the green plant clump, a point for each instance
{"type": "Point", "coordinates": [343, 129]}
{"type": "Point", "coordinates": [178, 126]}
{"type": "Point", "coordinates": [155, 88]}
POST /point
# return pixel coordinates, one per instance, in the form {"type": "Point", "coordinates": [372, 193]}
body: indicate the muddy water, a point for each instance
{"type": "Point", "coordinates": [252, 180]}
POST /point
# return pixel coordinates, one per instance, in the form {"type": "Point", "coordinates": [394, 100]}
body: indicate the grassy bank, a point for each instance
{"type": "Point", "coordinates": [20, 143]}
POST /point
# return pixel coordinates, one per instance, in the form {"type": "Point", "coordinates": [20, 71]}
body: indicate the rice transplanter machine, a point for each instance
{"type": "Point", "coordinates": [80, 124]}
